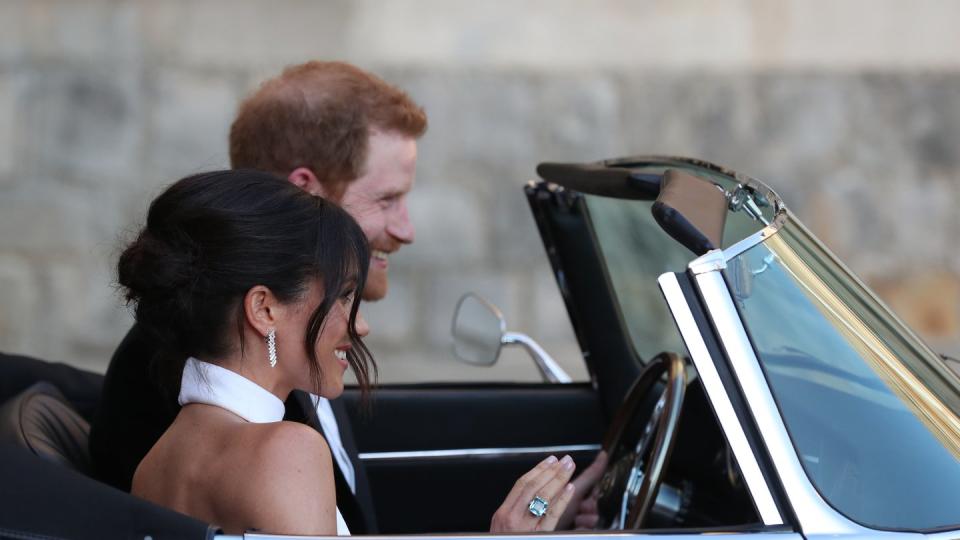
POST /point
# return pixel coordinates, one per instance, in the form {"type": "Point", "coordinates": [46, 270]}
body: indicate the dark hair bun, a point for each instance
{"type": "Point", "coordinates": [211, 237]}
{"type": "Point", "coordinates": [156, 274]}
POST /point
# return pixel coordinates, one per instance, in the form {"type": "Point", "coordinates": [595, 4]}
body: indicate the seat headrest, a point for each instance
{"type": "Point", "coordinates": [40, 420]}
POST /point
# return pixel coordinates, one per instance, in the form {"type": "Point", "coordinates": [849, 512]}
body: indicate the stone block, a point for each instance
{"type": "Point", "coordinates": [189, 121]}
{"type": "Point", "coordinates": [671, 113]}
{"type": "Point", "coordinates": [928, 302]}
{"type": "Point", "coordinates": [477, 120]}
{"type": "Point", "coordinates": [443, 290]}
{"type": "Point", "coordinates": [81, 125]}
{"type": "Point", "coordinates": [43, 225]}
{"type": "Point", "coordinates": [551, 325]}
{"type": "Point", "coordinates": [803, 121]}
{"type": "Point", "coordinates": [13, 31]}
{"type": "Point", "coordinates": [20, 327]}
{"type": "Point", "coordinates": [805, 34]}
{"type": "Point", "coordinates": [246, 33]}
{"type": "Point", "coordinates": [91, 31]}
{"type": "Point", "coordinates": [554, 36]}
{"type": "Point", "coordinates": [516, 240]}
{"type": "Point", "coordinates": [578, 118]}
{"type": "Point", "coordinates": [929, 122]}
{"type": "Point", "coordinates": [451, 230]}
{"type": "Point", "coordinates": [8, 127]}
{"type": "Point", "coordinates": [80, 300]}
{"type": "Point", "coordinates": [549, 313]}
{"type": "Point", "coordinates": [393, 320]}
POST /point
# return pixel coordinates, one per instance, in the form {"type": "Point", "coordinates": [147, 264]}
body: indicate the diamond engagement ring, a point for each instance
{"type": "Point", "coordinates": [538, 506]}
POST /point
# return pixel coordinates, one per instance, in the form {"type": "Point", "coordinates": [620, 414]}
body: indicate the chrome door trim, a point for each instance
{"type": "Point", "coordinates": [578, 535]}
{"type": "Point", "coordinates": [816, 517]}
{"type": "Point", "coordinates": [477, 453]}
{"type": "Point", "coordinates": [707, 370]}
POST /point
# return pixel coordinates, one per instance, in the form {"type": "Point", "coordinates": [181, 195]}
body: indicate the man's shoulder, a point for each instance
{"type": "Point", "coordinates": [129, 380]}
{"type": "Point", "coordinates": [133, 411]}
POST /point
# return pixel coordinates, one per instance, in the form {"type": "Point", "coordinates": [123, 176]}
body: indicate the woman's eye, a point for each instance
{"type": "Point", "coordinates": [347, 298]}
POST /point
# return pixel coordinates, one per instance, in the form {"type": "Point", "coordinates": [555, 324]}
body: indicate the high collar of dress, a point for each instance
{"type": "Point", "coordinates": [203, 382]}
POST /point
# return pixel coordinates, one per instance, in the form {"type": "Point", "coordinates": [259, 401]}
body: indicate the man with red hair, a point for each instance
{"type": "Point", "coordinates": [336, 131]}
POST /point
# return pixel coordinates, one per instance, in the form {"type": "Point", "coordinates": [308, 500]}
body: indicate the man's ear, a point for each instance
{"type": "Point", "coordinates": [303, 178]}
{"type": "Point", "coordinates": [261, 309]}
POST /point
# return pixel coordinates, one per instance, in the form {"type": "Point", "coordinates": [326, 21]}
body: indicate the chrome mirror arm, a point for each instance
{"type": "Point", "coordinates": [549, 368]}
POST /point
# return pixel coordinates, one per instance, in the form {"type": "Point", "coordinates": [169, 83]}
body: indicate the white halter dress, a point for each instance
{"type": "Point", "coordinates": [207, 383]}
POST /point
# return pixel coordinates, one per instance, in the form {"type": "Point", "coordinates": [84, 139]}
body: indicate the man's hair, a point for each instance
{"type": "Point", "coordinates": [319, 115]}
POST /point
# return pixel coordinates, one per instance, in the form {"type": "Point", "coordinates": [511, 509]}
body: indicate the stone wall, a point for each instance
{"type": "Point", "coordinates": [850, 111]}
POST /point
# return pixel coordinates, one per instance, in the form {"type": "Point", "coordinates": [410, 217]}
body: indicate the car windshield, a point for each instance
{"type": "Point", "coordinates": [872, 412]}
{"type": "Point", "coordinates": [636, 250]}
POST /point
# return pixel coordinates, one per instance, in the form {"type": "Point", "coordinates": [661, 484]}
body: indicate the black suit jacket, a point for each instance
{"type": "Point", "coordinates": [135, 410]}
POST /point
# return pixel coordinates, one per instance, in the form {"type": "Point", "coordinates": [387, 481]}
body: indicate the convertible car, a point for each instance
{"type": "Point", "coordinates": [743, 380]}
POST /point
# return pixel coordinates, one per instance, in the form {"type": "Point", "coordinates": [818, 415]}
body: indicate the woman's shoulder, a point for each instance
{"type": "Point", "coordinates": [280, 447]}
{"type": "Point", "coordinates": [290, 439]}
{"type": "Point", "coordinates": [288, 473]}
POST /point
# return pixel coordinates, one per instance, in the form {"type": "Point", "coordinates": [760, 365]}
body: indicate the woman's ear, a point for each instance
{"type": "Point", "coordinates": [261, 309]}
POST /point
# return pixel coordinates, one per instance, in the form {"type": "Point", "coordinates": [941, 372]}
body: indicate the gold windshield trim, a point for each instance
{"type": "Point", "coordinates": [935, 415]}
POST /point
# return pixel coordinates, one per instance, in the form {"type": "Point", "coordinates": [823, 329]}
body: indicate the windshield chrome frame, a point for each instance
{"type": "Point", "coordinates": [814, 514]}
{"type": "Point", "coordinates": [723, 407]}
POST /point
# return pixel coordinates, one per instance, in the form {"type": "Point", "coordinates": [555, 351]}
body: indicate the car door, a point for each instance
{"type": "Point", "coordinates": [441, 457]}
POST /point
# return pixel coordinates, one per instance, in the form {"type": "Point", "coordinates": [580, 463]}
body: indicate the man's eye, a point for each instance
{"type": "Point", "coordinates": [387, 202]}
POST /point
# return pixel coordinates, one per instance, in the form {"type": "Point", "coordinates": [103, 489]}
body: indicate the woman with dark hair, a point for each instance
{"type": "Point", "coordinates": [248, 283]}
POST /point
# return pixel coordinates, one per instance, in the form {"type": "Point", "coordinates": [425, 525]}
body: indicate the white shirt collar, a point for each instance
{"type": "Point", "coordinates": [331, 431]}
{"type": "Point", "coordinates": [203, 382]}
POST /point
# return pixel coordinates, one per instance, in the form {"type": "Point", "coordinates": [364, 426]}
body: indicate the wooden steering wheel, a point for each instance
{"type": "Point", "coordinates": [629, 485]}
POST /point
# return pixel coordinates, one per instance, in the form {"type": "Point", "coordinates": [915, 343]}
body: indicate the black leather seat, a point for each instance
{"type": "Point", "coordinates": [40, 420]}
{"type": "Point", "coordinates": [40, 500]}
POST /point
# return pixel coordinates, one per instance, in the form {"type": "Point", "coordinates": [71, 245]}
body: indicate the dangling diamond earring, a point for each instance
{"type": "Point", "coordinates": [272, 347]}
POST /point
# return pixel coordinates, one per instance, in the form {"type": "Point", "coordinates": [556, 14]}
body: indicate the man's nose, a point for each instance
{"type": "Point", "coordinates": [400, 226]}
{"type": "Point", "coordinates": [361, 325]}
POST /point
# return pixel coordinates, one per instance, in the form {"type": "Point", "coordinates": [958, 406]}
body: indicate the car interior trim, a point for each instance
{"type": "Point", "coordinates": [749, 468]}
{"type": "Point", "coordinates": [814, 514]}
{"type": "Point", "coordinates": [569, 239]}
{"type": "Point", "coordinates": [478, 452]}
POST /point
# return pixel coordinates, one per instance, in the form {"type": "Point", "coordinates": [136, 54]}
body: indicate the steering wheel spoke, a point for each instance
{"type": "Point", "coordinates": [629, 486]}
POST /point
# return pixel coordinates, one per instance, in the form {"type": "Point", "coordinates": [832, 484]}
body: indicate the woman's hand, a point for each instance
{"type": "Point", "coordinates": [550, 480]}
{"type": "Point", "coordinates": [582, 512]}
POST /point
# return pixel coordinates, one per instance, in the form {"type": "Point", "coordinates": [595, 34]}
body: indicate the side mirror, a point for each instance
{"type": "Point", "coordinates": [478, 328]}
{"type": "Point", "coordinates": [480, 331]}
